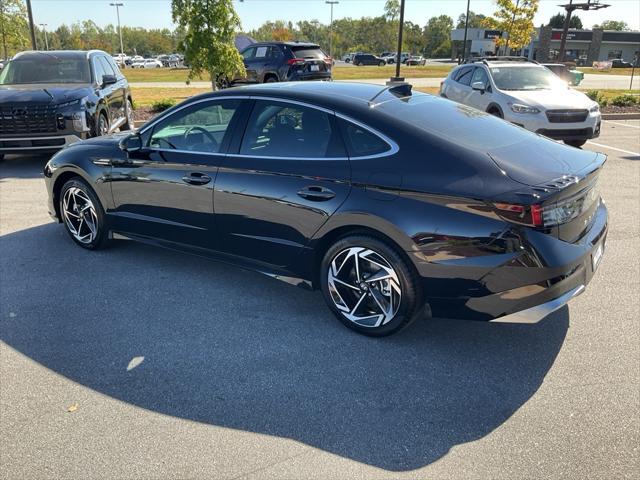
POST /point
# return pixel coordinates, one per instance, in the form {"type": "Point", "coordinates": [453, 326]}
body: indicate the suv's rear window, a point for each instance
{"type": "Point", "coordinates": [45, 68]}
{"type": "Point", "coordinates": [308, 52]}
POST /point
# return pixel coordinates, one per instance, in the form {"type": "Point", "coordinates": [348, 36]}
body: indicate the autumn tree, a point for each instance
{"type": "Point", "coordinates": [14, 33]}
{"type": "Point", "coordinates": [210, 28]}
{"type": "Point", "coordinates": [514, 18]}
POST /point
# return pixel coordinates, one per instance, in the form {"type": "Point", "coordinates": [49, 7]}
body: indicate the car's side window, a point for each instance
{"type": "Point", "coordinates": [465, 76]}
{"type": "Point", "coordinates": [362, 142]}
{"type": "Point", "coordinates": [479, 75]}
{"type": "Point", "coordinates": [262, 52]}
{"type": "Point", "coordinates": [279, 129]}
{"type": "Point", "coordinates": [106, 66]}
{"type": "Point", "coordinates": [114, 67]}
{"type": "Point", "coordinates": [249, 53]}
{"type": "Point", "coordinates": [98, 70]}
{"type": "Point", "coordinates": [199, 128]}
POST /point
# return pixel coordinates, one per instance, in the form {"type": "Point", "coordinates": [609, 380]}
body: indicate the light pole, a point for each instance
{"type": "Point", "coordinates": [32, 29]}
{"type": "Point", "coordinates": [332, 3]}
{"type": "Point", "coordinates": [466, 28]}
{"type": "Point", "coordinates": [398, 78]}
{"type": "Point", "coordinates": [46, 40]}
{"type": "Point", "coordinates": [315, 30]}
{"type": "Point", "coordinates": [118, 5]}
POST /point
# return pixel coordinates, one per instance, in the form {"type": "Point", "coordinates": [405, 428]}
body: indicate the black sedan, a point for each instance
{"type": "Point", "coordinates": [395, 204]}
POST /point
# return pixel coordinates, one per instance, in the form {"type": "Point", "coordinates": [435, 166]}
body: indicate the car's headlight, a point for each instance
{"type": "Point", "coordinates": [519, 108]}
{"type": "Point", "coordinates": [595, 108]}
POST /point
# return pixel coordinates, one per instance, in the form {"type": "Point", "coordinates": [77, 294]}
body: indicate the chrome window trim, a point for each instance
{"type": "Point", "coordinates": [393, 146]}
{"type": "Point", "coordinates": [171, 150]}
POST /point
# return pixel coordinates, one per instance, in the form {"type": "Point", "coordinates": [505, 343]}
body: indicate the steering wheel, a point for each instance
{"type": "Point", "coordinates": [203, 131]}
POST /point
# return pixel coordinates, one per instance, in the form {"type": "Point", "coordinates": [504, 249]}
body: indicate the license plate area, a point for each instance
{"type": "Point", "coordinates": [315, 68]}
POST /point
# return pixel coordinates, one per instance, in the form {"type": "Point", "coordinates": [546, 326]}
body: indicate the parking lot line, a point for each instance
{"type": "Point", "coordinates": [613, 148]}
{"type": "Point", "coordinates": [621, 124]}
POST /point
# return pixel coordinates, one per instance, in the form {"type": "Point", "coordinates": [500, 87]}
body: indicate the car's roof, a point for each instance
{"type": "Point", "coordinates": [290, 44]}
{"type": "Point", "coordinates": [60, 53]}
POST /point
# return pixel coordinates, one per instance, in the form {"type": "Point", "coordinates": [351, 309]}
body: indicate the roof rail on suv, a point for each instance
{"type": "Point", "coordinates": [499, 59]}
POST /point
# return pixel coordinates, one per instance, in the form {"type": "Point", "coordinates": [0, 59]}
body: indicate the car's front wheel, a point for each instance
{"type": "Point", "coordinates": [369, 286]}
{"type": "Point", "coordinates": [128, 111]}
{"type": "Point", "coordinates": [83, 215]}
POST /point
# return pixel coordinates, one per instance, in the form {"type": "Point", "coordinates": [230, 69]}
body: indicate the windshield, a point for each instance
{"type": "Point", "coordinates": [45, 68]}
{"type": "Point", "coordinates": [525, 78]}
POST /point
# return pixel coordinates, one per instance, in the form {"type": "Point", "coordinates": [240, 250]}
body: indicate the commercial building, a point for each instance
{"type": "Point", "coordinates": [583, 46]}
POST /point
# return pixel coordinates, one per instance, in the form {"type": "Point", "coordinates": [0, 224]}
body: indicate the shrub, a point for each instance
{"type": "Point", "coordinates": [598, 97]}
{"type": "Point", "coordinates": [625, 100]}
{"type": "Point", "coordinates": [162, 104]}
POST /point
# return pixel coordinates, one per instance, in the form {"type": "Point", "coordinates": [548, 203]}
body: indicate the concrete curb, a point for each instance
{"type": "Point", "coordinates": [621, 116]}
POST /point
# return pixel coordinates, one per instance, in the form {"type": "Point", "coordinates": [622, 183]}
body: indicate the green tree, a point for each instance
{"type": "Point", "coordinates": [515, 19]}
{"type": "Point", "coordinates": [392, 10]}
{"type": "Point", "coordinates": [437, 36]}
{"type": "Point", "coordinates": [14, 33]}
{"type": "Point", "coordinates": [557, 21]}
{"type": "Point", "coordinates": [475, 20]}
{"type": "Point", "coordinates": [210, 27]}
{"type": "Point", "coordinates": [617, 25]}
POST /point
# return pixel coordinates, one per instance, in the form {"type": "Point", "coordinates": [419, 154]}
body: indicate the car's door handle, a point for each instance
{"type": "Point", "coordinates": [196, 178]}
{"type": "Point", "coordinates": [316, 193]}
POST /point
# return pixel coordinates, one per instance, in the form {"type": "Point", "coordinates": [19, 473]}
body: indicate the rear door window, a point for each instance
{"type": "Point", "coordinates": [279, 129]}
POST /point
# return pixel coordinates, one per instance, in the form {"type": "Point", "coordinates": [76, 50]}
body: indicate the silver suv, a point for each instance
{"type": "Point", "coordinates": [527, 94]}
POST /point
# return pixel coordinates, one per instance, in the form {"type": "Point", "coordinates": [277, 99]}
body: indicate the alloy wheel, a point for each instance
{"type": "Point", "coordinates": [364, 287]}
{"type": "Point", "coordinates": [80, 215]}
{"type": "Point", "coordinates": [103, 125]}
{"type": "Point", "coordinates": [130, 117]}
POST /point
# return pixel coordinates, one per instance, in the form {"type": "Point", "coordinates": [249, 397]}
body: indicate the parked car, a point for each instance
{"type": "Point", "coordinates": [571, 76]}
{"type": "Point", "coordinates": [147, 63]}
{"type": "Point", "coordinates": [417, 202]}
{"type": "Point", "coordinates": [51, 99]}
{"type": "Point", "coordinates": [527, 94]}
{"type": "Point", "coordinates": [121, 59]}
{"type": "Point", "coordinates": [168, 61]}
{"type": "Point", "coordinates": [416, 60]}
{"type": "Point", "coordinates": [268, 62]}
{"type": "Point", "coordinates": [619, 63]}
{"type": "Point", "coordinates": [368, 59]}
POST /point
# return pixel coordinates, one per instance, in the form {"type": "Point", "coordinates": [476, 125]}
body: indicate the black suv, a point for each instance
{"type": "Point", "coordinates": [51, 99]}
{"type": "Point", "coordinates": [285, 61]}
{"type": "Point", "coordinates": [368, 59]}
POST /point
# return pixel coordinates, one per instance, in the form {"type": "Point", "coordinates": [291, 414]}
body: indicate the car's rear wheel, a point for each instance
{"type": "Point", "coordinates": [575, 143]}
{"type": "Point", "coordinates": [369, 286]}
{"type": "Point", "coordinates": [382, 64]}
{"type": "Point", "coordinates": [82, 214]}
{"type": "Point", "coordinates": [128, 111]}
{"type": "Point", "coordinates": [271, 79]}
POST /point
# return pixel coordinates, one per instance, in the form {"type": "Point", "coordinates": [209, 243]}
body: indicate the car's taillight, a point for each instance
{"type": "Point", "coordinates": [558, 213]}
{"type": "Point", "coordinates": [295, 61]}
{"type": "Point", "coordinates": [530, 215]}
{"type": "Point", "coordinates": [328, 60]}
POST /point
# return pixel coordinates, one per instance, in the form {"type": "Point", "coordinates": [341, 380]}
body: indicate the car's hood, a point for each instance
{"type": "Point", "coordinates": [45, 93]}
{"type": "Point", "coordinates": [559, 98]}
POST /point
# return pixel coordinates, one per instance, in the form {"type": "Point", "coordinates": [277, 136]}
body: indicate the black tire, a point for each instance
{"type": "Point", "coordinates": [382, 64]}
{"type": "Point", "coordinates": [102, 123]}
{"type": "Point", "coordinates": [575, 143]}
{"type": "Point", "coordinates": [128, 112]}
{"type": "Point", "coordinates": [410, 304]}
{"type": "Point", "coordinates": [495, 112]}
{"type": "Point", "coordinates": [101, 237]}
{"type": "Point", "coordinates": [271, 79]}
{"type": "Point", "coordinates": [359, 64]}
{"type": "Point", "coordinates": [1, 157]}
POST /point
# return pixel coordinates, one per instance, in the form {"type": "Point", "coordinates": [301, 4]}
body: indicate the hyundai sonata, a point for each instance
{"type": "Point", "coordinates": [394, 204]}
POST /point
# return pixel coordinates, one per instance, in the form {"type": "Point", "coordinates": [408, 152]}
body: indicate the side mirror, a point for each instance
{"type": "Point", "coordinates": [131, 143]}
{"type": "Point", "coordinates": [108, 80]}
{"type": "Point", "coordinates": [478, 86]}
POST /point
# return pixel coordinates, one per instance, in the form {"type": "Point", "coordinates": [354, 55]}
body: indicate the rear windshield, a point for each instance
{"type": "Point", "coordinates": [46, 68]}
{"type": "Point", "coordinates": [308, 52]}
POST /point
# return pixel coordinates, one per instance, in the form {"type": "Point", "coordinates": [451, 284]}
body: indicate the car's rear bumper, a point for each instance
{"type": "Point", "coordinates": [35, 144]}
{"type": "Point", "coordinates": [309, 76]}
{"type": "Point", "coordinates": [515, 293]}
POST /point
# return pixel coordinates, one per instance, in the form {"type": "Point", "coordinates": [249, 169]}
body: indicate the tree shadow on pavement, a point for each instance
{"type": "Point", "coordinates": [235, 349]}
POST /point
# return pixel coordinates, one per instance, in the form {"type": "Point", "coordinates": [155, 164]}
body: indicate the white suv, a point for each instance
{"type": "Point", "coordinates": [527, 94]}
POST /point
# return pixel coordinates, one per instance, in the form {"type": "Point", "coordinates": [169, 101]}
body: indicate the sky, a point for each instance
{"type": "Point", "coordinates": [157, 13]}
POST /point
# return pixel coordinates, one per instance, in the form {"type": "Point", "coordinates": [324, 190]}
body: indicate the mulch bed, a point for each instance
{"type": "Point", "coordinates": [143, 114]}
{"type": "Point", "coordinates": [613, 109]}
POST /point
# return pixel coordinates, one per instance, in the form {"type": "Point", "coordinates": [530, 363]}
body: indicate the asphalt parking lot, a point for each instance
{"type": "Point", "coordinates": [135, 362]}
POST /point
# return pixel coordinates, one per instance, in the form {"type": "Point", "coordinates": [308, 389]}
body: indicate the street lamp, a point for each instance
{"type": "Point", "coordinates": [398, 78]}
{"type": "Point", "coordinates": [32, 30]}
{"type": "Point", "coordinates": [46, 40]}
{"type": "Point", "coordinates": [315, 24]}
{"type": "Point", "coordinates": [466, 29]}
{"type": "Point", "coordinates": [332, 3]}
{"type": "Point", "coordinates": [118, 5]}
